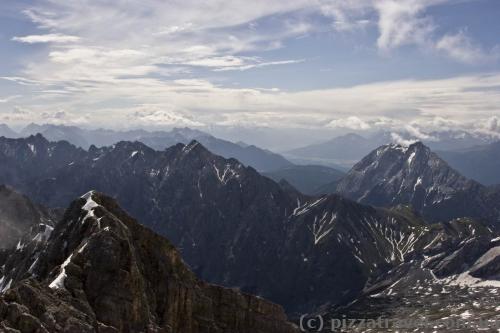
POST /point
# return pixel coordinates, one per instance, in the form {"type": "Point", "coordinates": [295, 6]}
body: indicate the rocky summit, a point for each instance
{"type": "Point", "coordinates": [101, 271]}
{"type": "Point", "coordinates": [415, 176]}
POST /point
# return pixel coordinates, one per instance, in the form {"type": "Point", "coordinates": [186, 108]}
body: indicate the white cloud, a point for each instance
{"type": "Point", "coordinates": [8, 99]}
{"type": "Point", "coordinates": [248, 66]}
{"type": "Point", "coordinates": [153, 116]}
{"type": "Point", "coordinates": [403, 22]}
{"type": "Point", "coordinates": [462, 48]}
{"type": "Point", "coordinates": [415, 132]}
{"type": "Point", "coordinates": [108, 69]}
{"type": "Point", "coordinates": [493, 124]}
{"type": "Point", "coordinates": [352, 122]}
{"type": "Point", "coordinates": [49, 38]}
{"type": "Point", "coordinates": [397, 138]}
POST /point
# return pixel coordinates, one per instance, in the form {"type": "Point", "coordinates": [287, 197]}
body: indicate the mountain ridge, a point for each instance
{"type": "Point", "coordinates": [101, 271]}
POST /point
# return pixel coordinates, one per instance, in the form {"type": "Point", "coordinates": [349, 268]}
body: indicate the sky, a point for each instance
{"type": "Point", "coordinates": [297, 66]}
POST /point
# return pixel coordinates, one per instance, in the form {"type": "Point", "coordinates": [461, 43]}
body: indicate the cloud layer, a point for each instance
{"type": "Point", "coordinates": [131, 63]}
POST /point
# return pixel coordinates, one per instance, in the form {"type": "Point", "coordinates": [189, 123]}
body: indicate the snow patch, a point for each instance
{"type": "Point", "coordinates": [58, 282]}
{"type": "Point", "coordinates": [411, 158]}
{"type": "Point", "coordinates": [32, 148]}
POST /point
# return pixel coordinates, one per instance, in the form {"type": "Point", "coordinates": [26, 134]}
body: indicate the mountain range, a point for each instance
{"type": "Point", "coordinates": [237, 228]}
{"type": "Point", "coordinates": [480, 163]}
{"type": "Point", "coordinates": [98, 270]}
{"type": "Point", "coordinates": [308, 179]}
{"type": "Point", "coordinates": [344, 151]}
{"type": "Point", "coordinates": [260, 159]}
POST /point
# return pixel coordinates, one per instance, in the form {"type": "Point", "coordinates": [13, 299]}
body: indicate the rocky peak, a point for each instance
{"type": "Point", "coordinates": [101, 271]}
{"type": "Point", "coordinates": [414, 175]}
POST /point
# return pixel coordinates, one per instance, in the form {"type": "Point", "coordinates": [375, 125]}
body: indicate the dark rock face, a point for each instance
{"type": "Point", "coordinates": [415, 176]}
{"type": "Point", "coordinates": [101, 271]}
{"type": "Point", "coordinates": [17, 215]}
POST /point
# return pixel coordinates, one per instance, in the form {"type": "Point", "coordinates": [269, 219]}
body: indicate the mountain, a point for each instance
{"type": "Point", "coordinates": [395, 174]}
{"type": "Point", "coordinates": [481, 163]}
{"type": "Point", "coordinates": [72, 134]}
{"type": "Point", "coordinates": [260, 159]}
{"type": "Point", "coordinates": [306, 178]}
{"type": "Point", "coordinates": [455, 140]}
{"type": "Point", "coordinates": [344, 150]}
{"type": "Point", "coordinates": [17, 215]}
{"type": "Point", "coordinates": [233, 226]}
{"type": "Point", "coordinates": [7, 132]}
{"type": "Point", "coordinates": [101, 271]}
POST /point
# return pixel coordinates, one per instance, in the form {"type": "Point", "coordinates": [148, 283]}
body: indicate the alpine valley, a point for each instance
{"type": "Point", "coordinates": [404, 233]}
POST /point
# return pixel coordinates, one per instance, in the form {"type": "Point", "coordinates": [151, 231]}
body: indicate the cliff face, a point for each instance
{"type": "Point", "coordinates": [101, 271]}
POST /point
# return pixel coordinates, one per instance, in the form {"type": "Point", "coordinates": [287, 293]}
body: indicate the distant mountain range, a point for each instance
{"type": "Point", "coordinates": [260, 159]}
{"type": "Point", "coordinates": [98, 270]}
{"type": "Point", "coordinates": [305, 178]}
{"type": "Point", "coordinates": [237, 228]}
{"type": "Point", "coordinates": [346, 150]}
{"type": "Point", "coordinates": [7, 132]}
{"type": "Point", "coordinates": [481, 163]}
{"type": "Point", "coordinates": [308, 179]}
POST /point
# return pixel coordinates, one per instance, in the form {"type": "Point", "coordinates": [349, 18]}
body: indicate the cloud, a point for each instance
{"type": "Point", "coordinates": [9, 98]}
{"type": "Point", "coordinates": [397, 138]}
{"type": "Point", "coordinates": [50, 38]}
{"type": "Point", "coordinates": [245, 67]}
{"type": "Point", "coordinates": [493, 124]}
{"type": "Point", "coordinates": [415, 132]}
{"type": "Point", "coordinates": [153, 116]}
{"type": "Point", "coordinates": [20, 115]}
{"type": "Point", "coordinates": [158, 53]}
{"type": "Point", "coordinates": [352, 122]}
{"type": "Point", "coordinates": [403, 22]}
{"type": "Point", "coordinates": [348, 15]}
{"type": "Point", "coordinates": [463, 49]}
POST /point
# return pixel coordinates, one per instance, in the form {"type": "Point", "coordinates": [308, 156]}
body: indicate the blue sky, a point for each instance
{"type": "Point", "coordinates": [320, 65]}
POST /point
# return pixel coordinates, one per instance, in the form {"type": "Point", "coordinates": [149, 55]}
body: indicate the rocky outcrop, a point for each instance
{"type": "Point", "coordinates": [101, 271]}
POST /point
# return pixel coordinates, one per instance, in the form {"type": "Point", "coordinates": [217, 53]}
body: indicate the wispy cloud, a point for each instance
{"type": "Point", "coordinates": [352, 123]}
{"type": "Point", "coordinates": [119, 61]}
{"type": "Point", "coordinates": [402, 22]}
{"type": "Point", "coordinates": [462, 48]}
{"type": "Point", "coordinates": [9, 98]}
{"type": "Point", "coordinates": [49, 38]}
